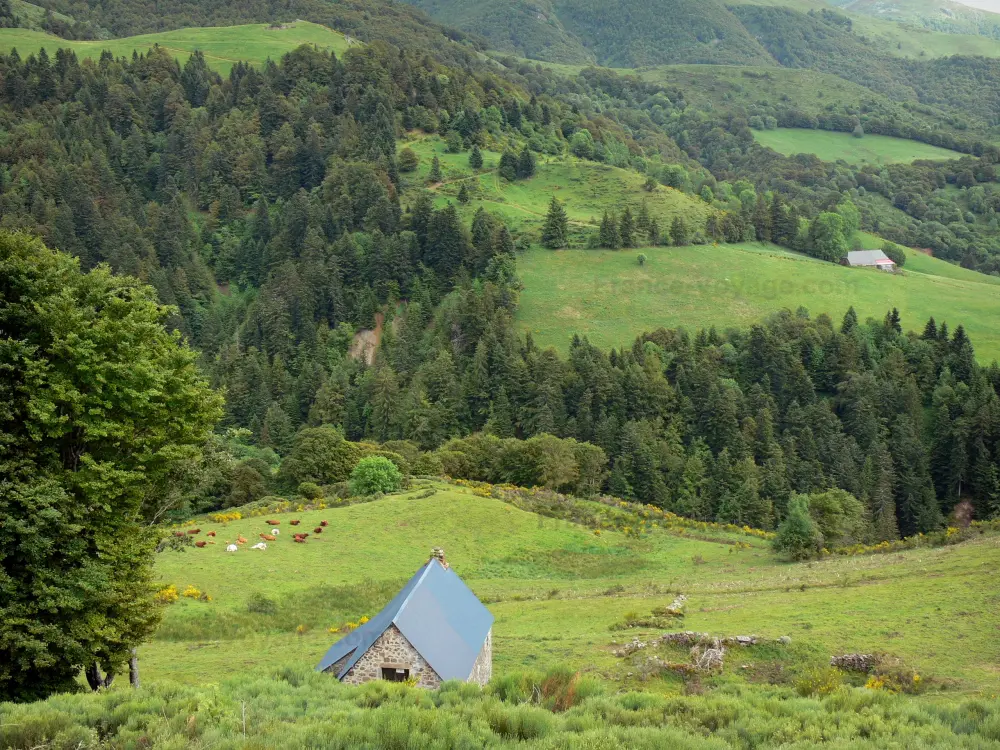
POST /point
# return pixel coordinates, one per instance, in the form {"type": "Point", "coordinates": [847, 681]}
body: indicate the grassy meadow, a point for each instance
{"type": "Point", "coordinates": [586, 189]}
{"type": "Point", "coordinates": [557, 588]}
{"type": "Point", "coordinates": [222, 46]}
{"type": "Point", "coordinates": [832, 146]}
{"type": "Point", "coordinates": [607, 296]}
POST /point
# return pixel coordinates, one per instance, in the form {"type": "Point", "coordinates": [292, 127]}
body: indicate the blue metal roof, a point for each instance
{"type": "Point", "coordinates": [437, 613]}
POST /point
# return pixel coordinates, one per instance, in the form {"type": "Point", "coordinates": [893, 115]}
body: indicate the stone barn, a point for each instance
{"type": "Point", "coordinates": [434, 629]}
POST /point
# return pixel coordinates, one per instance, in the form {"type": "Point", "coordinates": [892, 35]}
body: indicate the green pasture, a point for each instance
{"type": "Point", "coordinates": [607, 296]}
{"type": "Point", "coordinates": [557, 588]}
{"type": "Point", "coordinates": [831, 146]}
{"type": "Point", "coordinates": [222, 46]}
{"type": "Point", "coordinates": [585, 188]}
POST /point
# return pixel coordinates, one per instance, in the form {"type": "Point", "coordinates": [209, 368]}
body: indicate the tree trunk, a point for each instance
{"type": "Point", "coordinates": [93, 673]}
{"type": "Point", "coordinates": [133, 670]}
{"type": "Point", "coordinates": [96, 680]}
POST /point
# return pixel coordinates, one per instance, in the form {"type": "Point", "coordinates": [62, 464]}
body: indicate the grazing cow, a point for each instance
{"type": "Point", "coordinates": [295, 522]}
{"type": "Point", "coordinates": [241, 539]}
{"type": "Point", "coordinates": [199, 545]}
{"type": "Point", "coordinates": [259, 545]}
{"type": "Point", "coordinates": [231, 548]}
{"type": "Point", "coordinates": [324, 523]}
{"type": "Point", "coordinates": [318, 530]}
{"type": "Point", "coordinates": [192, 532]}
{"type": "Point", "coordinates": [273, 523]}
{"type": "Point", "coordinates": [211, 533]}
{"type": "Point", "coordinates": [179, 533]}
{"type": "Point", "coordinates": [267, 537]}
{"type": "Point", "coordinates": [299, 540]}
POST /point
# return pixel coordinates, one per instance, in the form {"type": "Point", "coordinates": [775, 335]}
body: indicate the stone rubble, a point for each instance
{"type": "Point", "coordinates": [855, 662]}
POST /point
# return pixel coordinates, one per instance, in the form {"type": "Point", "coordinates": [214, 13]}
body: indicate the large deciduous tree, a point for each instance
{"type": "Point", "coordinates": [99, 404]}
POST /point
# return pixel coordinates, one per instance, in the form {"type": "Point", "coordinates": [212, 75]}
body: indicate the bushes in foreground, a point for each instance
{"type": "Point", "coordinates": [294, 707]}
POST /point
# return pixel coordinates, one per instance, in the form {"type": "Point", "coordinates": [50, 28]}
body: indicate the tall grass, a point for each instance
{"type": "Point", "coordinates": [293, 708]}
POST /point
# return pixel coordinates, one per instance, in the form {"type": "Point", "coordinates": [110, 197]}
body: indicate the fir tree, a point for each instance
{"type": "Point", "coordinates": [476, 158]}
{"type": "Point", "coordinates": [525, 164]}
{"type": "Point", "coordinates": [679, 233]}
{"type": "Point", "coordinates": [501, 418]}
{"type": "Point", "coordinates": [608, 235]}
{"type": "Point", "coordinates": [555, 233]}
{"type": "Point", "coordinates": [435, 175]}
{"type": "Point", "coordinates": [463, 194]}
{"type": "Point", "coordinates": [626, 228]}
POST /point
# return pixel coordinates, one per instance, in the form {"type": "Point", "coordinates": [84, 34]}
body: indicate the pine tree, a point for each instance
{"type": "Point", "coordinates": [435, 175]}
{"type": "Point", "coordinates": [476, 158]}
{"type": "Point", "coordinates": [653, 233]}
{"type": "Point", "coordinates": [463, 194]}
{"type": "Point", "coordinates": [384, 406]}
{"type": "Point", "coordinates": [501, 418]}
{"type": "Point", "coordinates": [525, 164]}
{"type": "Point", "coordinates": [643, 220]}
{"type": "Point", "coordinates": [608, 235]}
{"type": "Point", "coordinates": [555, 233]}
{"type": "Point", "coordinates": [892, 323]}
{"type": "Point", "coordinates": [508, 165]}
{"type": "Point", "coordinates": [626, 228]}
{"type": "Point", "coordinates": [679, 233]}
{"type": "Point", "coordinates": [850, 321]}
{"type": "Point", "coordinates": [930, 331]}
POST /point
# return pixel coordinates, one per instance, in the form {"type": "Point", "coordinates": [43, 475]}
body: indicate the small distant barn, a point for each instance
{"type": "Point", "coordinates": [869, 259]}
{"type": "Point", "coordinates": [434, 629]}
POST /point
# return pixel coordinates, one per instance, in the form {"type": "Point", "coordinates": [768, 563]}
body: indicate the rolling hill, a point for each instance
{"type": "Point", "coordinates": [623, 33]}
{"type": "Point", "coordinates": [222, 46]}
{"type": "Point", "coordinates": [557, 589]}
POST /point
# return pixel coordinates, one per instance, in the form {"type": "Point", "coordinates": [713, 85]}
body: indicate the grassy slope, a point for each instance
{"type": "Point", "coordinates": [831, 146]}
{"type": "Point", "coordinates": [608, 297]}
{"type": "Point", "coordinates": [222, 46]}
{"type": "Point", "coordinates": [586, 189]}
{"type": "Point", "coordinates": [555, 589]}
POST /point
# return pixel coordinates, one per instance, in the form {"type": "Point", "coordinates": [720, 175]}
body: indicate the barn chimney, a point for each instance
{"type": "Point", "coordinates": [438, 554]}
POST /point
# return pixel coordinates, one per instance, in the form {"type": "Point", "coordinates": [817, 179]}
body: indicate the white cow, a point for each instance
{"type": "Point", "coordinates": [275, 532]}
{"type": "Point", "coordinates": [260, 546]}
{"type": "Point", "coordinates": [231, 548]}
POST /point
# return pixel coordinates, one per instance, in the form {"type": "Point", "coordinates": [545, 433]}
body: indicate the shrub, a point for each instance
{"type": "Point", "coordinates": [310, 490]}
{"type": "Point", "coordinates": [167, 595]}
{"type": "Point", "coordinates": [375, 474]}
{"type": "Point", "coordinates": [408, 160]}
{"type": "Point", "coordinates": [798, 536]}
{"type": "Point", "coordinates": [819, 681]}
{"type": "Point", "coordinates": [258, 604]}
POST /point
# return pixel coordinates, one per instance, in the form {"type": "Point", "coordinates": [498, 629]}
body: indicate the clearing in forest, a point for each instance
{"type": "Point", "coordinates": [223, 46]}
{"type": "Point", "coordinates": [832, 146]}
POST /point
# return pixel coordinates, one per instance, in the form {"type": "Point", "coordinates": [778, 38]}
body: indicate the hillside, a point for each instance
{"type": "Point", "coordinates": [940, 15]}
{"type": "Point", "coordinates": [621, 34]}
{"type": "Point", "coordinates": [556, 589]}
{"type": "Point", "coordinates": [608, 297]}
{"type": "Point", "coordinates": [585, 188]}
{"type": "Point", "coordinates": [222, 47]}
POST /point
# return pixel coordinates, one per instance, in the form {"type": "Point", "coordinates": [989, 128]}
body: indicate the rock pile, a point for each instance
{"type": "Point", "coordinates": [855, 662]}
{"type": "Point", "coordinates": [691, 638]}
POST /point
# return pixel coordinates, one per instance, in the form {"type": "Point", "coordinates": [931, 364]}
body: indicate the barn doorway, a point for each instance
{"type": "Point", "coordinates": [395, 674]}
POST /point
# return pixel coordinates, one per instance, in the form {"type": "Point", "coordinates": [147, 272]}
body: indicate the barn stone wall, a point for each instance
{"type": "Point", "coordinates": [392, 648]}
{"type": "Point", "coordinates": [482, 670]}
